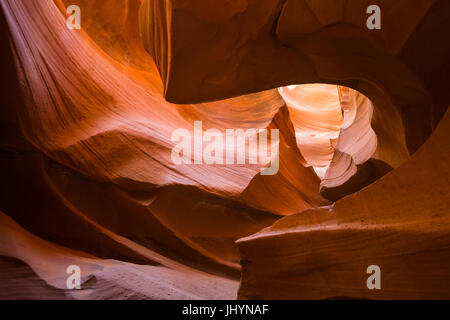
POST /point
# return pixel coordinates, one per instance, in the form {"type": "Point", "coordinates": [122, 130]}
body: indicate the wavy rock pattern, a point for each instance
{"type": "Point", "coordinates": [320, 254]}
{"type": "Point", "coordinates": [86, 124]}
{"type": "Point", "coordinates": [332, 51]}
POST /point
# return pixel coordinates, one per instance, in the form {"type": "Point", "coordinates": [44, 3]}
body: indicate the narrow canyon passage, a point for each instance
{"type": "Point", "coordinates": [200, 151]}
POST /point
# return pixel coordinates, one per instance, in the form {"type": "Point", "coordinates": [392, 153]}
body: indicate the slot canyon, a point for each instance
{"type": "Point", "coordinates": [353, 121]}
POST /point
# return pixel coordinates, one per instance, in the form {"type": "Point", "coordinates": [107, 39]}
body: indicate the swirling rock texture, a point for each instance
{"type": "Point", "coordinates": [87, 179]}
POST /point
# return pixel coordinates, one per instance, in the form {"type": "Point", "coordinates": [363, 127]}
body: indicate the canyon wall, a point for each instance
{"type": "Point", "coordinates": [86, 138]}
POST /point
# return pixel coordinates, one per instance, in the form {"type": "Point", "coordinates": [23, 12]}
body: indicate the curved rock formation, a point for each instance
{"type": "Point", "coordinates": [273, 49]}
{"type": "Point", "coordinates": [400, 223]}
{"type": "Point", "coordinates": [91, 121]}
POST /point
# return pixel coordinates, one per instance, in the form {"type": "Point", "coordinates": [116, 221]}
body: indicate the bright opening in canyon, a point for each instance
{"type": "Point", "coordinates": [332, 128]}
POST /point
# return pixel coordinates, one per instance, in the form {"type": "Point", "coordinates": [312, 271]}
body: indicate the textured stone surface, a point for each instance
{"type": "Point", "coordinates": [400, 223]}
{"type": "Point", "coordinates": [272, 47]}
{"type": "Point", "coordinates": [85, 149]}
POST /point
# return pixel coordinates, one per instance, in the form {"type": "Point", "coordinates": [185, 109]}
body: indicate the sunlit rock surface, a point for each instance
{"type": "Point", "coordinates": [87, 118]}
{"type": "Point", "coordinates": [330, 44]}
{"type": "Point", "coordinates": [400, 223]}
{"type": "Point", "coordinates": [332, 129]}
